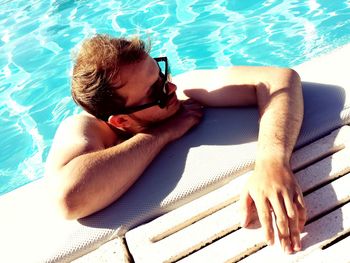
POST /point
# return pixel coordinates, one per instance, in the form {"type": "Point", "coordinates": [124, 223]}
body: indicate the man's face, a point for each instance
{"type": "Point", "coordinates": [140, 79]}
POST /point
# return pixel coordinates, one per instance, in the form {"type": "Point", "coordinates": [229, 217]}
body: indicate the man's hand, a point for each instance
{"type": "Point", "coordinates": [274, 191]}
{"type": "Point", "coordinates": [188, 116]}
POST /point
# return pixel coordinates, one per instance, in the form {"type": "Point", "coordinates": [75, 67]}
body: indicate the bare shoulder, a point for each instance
{"type": "Point", "coordinates": [77, 135]}
{"type": "Point", "coordinates": [80, 127]}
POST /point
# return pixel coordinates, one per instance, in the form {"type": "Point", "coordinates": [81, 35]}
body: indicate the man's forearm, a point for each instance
{"type": "Point", "coordinates": [281, 110]}
{"type": "Point", "coordinates": [94, 180]}
{"type": "Point", "coordinates": [91, 181]}
{"type": "Point", "coordinates": [272, 187]}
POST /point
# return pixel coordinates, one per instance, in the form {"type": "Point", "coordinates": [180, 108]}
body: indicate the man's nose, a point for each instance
{"type": "Point", "coordinates": [171, 87]}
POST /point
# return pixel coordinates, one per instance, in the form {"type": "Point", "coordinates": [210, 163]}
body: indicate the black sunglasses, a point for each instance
{"type": "Point", "coordinates": [159, 89]}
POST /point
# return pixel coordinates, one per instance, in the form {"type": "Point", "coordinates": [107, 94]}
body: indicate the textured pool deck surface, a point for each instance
{"type": "Point", "coordinates": [205, 229]}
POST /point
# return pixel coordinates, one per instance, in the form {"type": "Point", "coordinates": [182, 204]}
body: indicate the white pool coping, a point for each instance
{"type": "Point", "coordinates": [22, 221]}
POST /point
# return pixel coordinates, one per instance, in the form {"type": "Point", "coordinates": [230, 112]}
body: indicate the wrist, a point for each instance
{"type": "Point", "coordinates": [276, 159]}
{"type": "Point", "coordinates": [163, 135]}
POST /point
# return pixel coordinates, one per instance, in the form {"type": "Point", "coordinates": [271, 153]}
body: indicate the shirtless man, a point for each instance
{"type": "Point", "coordinates": [131, 112]}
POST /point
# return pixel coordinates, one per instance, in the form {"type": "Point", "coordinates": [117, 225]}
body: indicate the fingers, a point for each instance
{"type": "Point", "coordinates": [193, 109]}
{"type": "Point", "coordinates": [281, 196]}
{"type": "Point", "coordinates": [188, 116]}
{"type": "Point", "coordinates": [191, 105]}
{"type": "Point", "coordinates": [190, 102]}
{"type": "Point", "coordinates": [293, 222]}
{"type": "Point", "coordinates": [264, 214]}
{"type": "Point", "coordinates": [301, 208]}
{"type": "Point", "coordinates": [290, 219]}
{"type": "Point", "coordinates": [282, 223]}
{"type": "Point", "coordinates": [245, 208]}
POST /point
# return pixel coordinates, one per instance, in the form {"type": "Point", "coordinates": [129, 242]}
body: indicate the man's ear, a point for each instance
{"type": "Point", "coordinates": [119, 121]}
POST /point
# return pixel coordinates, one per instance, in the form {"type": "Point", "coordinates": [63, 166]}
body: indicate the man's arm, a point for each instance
{"type": "Point", "coordinates": [272, 187]}
{"type": "Point", "coordinates": [87, 174]}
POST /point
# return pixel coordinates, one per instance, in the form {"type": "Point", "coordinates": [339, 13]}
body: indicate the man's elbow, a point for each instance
{"type": "Point", "coordinates": [62, 197]}
{"type": "Point", "coordinates": [69, 206]}
{"type": "Point", "coordinates": [66, 195]}
{"type": "Point", "coordinates": [288, 82]}
{"type": "Point", "coordinates": [294, 77]}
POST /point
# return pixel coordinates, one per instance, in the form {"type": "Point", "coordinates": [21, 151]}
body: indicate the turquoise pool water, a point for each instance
{"type": "Point", "coordinates": [37, 38]}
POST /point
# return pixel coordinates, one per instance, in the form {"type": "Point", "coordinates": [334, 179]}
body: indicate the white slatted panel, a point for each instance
{"type": "Point", "coordinates": [237, 244]}
{"type": "Point", "coordinates": [205, 230]}
{"type": "Point", "coordinates": [339, 252]}
{"type": "Point", "coordinates": [318, 233]}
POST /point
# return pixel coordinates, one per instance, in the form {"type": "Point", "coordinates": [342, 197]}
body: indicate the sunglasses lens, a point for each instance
{"type": "Point", "coordinates": [162, 66]}
{"type": "Point", "coordinates": [162, 88]}
{"type": "Point", "coordinates": [163, 96]}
